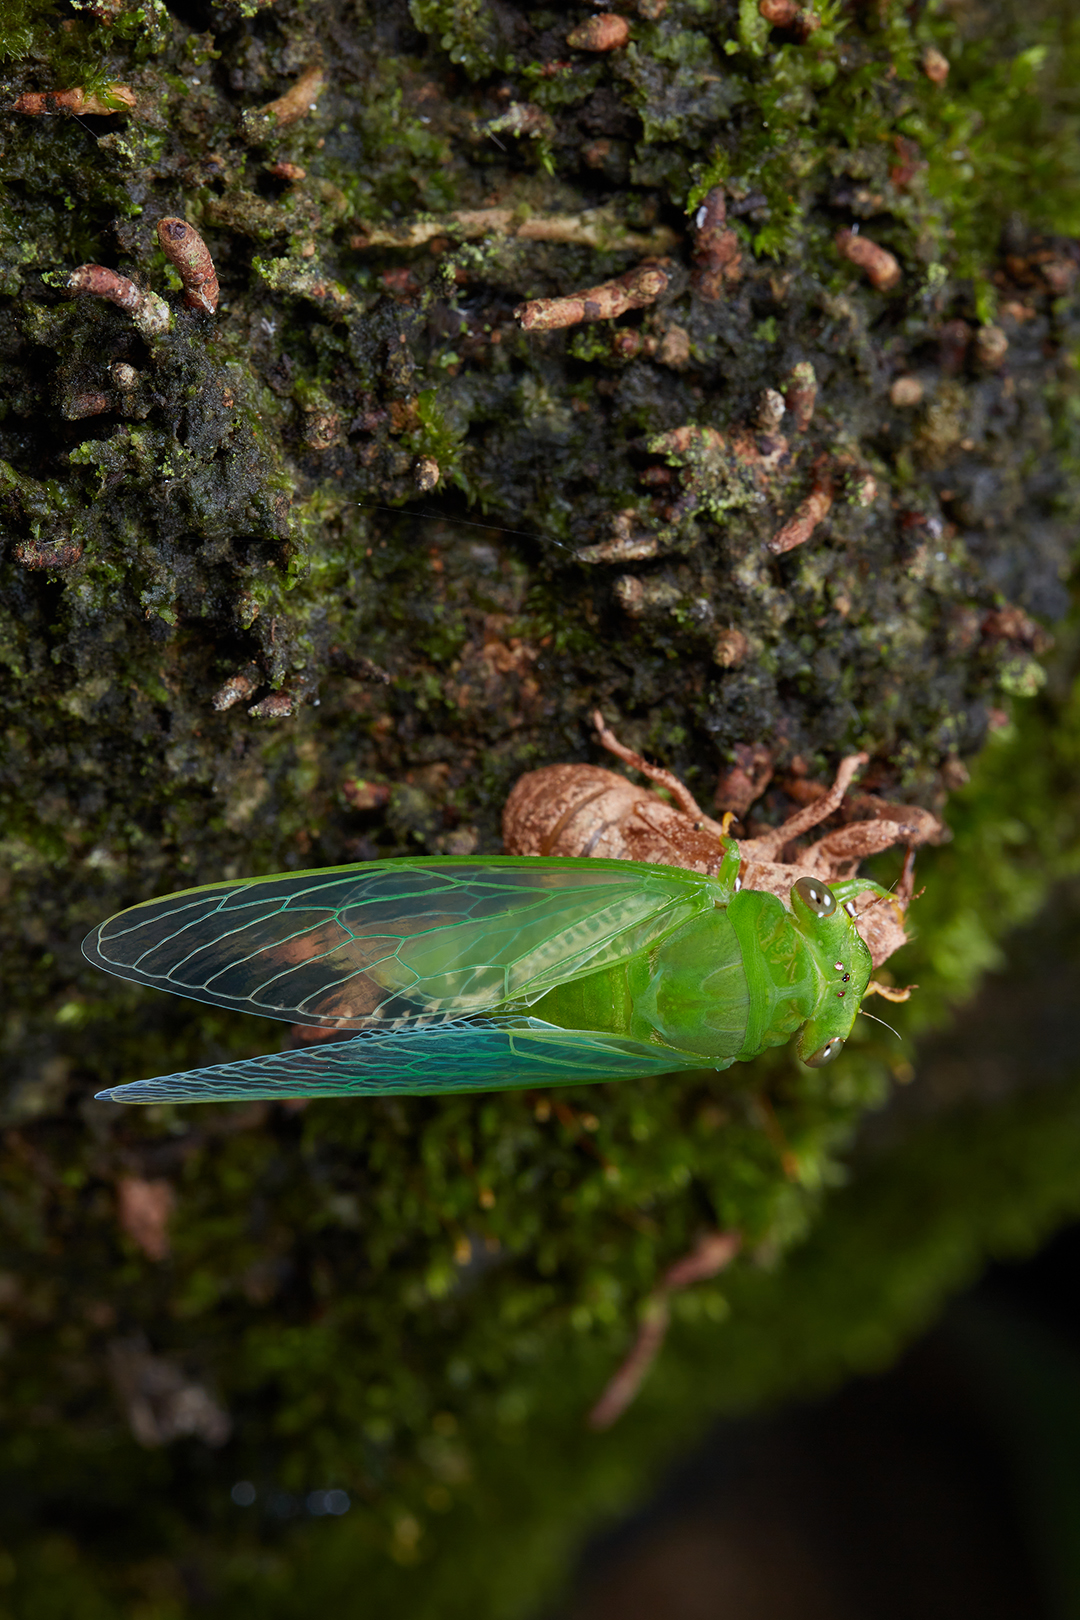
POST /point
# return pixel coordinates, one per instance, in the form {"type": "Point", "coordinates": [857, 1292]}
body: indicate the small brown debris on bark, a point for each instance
{"type": "Point", "coordinates": [800, 395]}
{"type": "Point", "coordinates": [106, 11]}
{"type": "Point", "coordinates": [522, 118]}
{"type": "Point", "coordinates": [113, 99]}
{"type": "Point", "coordinates": [628, 542]}
{"type": "Point", "coordinates": [711, 1254]}
{"type": "Point", "coordinates": [1013, 624]}
{"type": "Point", "coordinates": [881, 268]}
{"type": "Point", "coordinates": [717, 255]}
{"type": "Point", "coordinates": [674, 350]}
{"type": "Point", "coordinates": [757, 458]}
{"type": "Point", "coordinates": [596, 154]}
{"type": "Point", "coordinates": [322, 428]}
{"type": "Point", "coordinates": [58, 553]}
{"type": "Point", "coordinates": [730, 649]}
{"type": "Point", "coordinates": [401, 283]}
{"type": "Point", "coordinates": [144, 1209]}
{"type": "Point", "coordinates": [237, 689]}
{"type": "Point", "coordinates": [798, 529]}
{"type": "Point", "coordinates": [637, 597]}
{"type": "Point", "coordinates": [607, 32]}
{"type": "Point", "coordinates": [91, 402]}
{"type": "Point", "coordinates": [789, 14]}
{"type": "Point", "coordinates": [905, 393]}
{"type": "Point", "coordinates": [634, 290]}
{"type": "Point", "coordinates": [426, 474]}
{"type": "Point", "coordinates": [275, 706]}
{"type": "Point", "coordinates": [190, 257]}
{"type": "Point", "coordinates": [627, 342]}
{"type": "Point", "coordinates": [363, 795]}
{"type": "Point", "coordinates": [404, 415]}
{"type": "Point", "coordinates": [287, 171]}
{"type": "Point", "coordinates": [954, 774]}
{"type": "Point", "coordinates": [991, 347]}
{"type": "Point", "coordinates": [298, 100]}
{"type": "Point", "coordinates": [935, 65]}
{"type": "Point", "coordinates": [770, 412]}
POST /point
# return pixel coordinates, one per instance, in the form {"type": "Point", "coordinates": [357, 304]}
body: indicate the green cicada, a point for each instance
{"type": "Point", "coordinates": [467, 975]}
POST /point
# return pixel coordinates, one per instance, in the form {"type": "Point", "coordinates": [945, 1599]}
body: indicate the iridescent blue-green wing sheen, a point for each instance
{"type": "Point", "coordinates": [458, 1055]}
{"type": "Point", "coordinates": [397, 941]}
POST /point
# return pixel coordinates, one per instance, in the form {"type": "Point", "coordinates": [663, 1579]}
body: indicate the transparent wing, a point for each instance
{"type": "Point", "coordinates": [455, 1056]}
{"type": "Point", "coordinates": [397, 941]}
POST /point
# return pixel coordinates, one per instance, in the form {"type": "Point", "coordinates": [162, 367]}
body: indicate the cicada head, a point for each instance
{"type": "Point", "coordinates": [845, 965]}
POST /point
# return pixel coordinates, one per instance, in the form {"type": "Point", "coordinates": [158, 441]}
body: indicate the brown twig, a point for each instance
{"type": "Point", "coordinates": [150, 313]}
{"type": "Point", "coordinates": [711, 1255]}
{"type": "Point", "coordinates": [634, 290]}
{"type": "Point", "coordinates": [113, 99]}
{"type": "Point", "coordinates": [99, 281]}
{"type": "Point", "coordinates": [597, 228]}
{"type": "Point", "coordinates": [190, 257]}
{"type": "Point", "coordinates": [275, 706]}
{"type": "Point", "coordinates": [797, 530]}
{"type": "Point", "coordinates": [298, 100]}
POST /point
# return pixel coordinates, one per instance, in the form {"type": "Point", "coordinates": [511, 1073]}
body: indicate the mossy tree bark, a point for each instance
{"type": "Point", "coordinates": [314, 578]}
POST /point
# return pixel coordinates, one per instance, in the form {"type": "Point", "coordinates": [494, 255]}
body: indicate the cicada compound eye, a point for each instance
{"type": "Point", "coordinates": [816, 896]}
{"type": "Point", "coordinates": [824, 1054]}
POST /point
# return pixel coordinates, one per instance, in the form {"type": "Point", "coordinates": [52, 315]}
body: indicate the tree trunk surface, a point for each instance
{"type": "Point", "coordinates": [710, 365]}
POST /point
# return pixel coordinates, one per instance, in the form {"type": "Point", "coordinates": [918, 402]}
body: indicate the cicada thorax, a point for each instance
{"type": "Point", "coordinates": [583, 810]}
{"type": "Point", "coordinates": [687, 993]}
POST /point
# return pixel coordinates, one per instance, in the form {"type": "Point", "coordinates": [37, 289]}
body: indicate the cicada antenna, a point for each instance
{"type": "Point", "coordinates": [882, 1022]}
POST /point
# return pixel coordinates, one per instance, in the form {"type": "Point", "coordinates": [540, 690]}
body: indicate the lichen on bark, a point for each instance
{"type": "Point", "coordinates": [314, 578]}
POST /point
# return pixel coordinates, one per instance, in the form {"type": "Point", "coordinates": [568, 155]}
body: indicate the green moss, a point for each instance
{"type": "Point", "coordinates": [471, 32]}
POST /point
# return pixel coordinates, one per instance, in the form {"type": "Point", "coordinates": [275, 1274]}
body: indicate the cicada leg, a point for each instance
{"type": "Point", "coordinates": [728, 871]}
